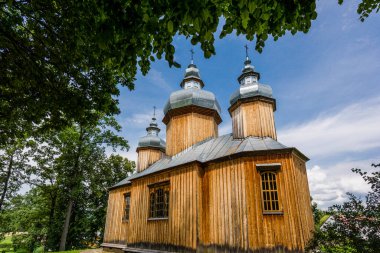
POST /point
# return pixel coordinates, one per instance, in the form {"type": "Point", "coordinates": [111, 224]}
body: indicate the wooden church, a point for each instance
{"type": "Point", "coordinates": [201, 192]}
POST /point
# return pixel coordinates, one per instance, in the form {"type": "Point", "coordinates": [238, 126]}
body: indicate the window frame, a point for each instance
{"type": "Point", "coordinates": [159, 204]}
{"type": "Point", "coordinates": [125, 216]}
{"type": "Point", "coordinates": [268, 169]}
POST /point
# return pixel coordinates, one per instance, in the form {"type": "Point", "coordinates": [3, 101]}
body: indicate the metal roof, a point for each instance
{"type": "Point", "coordinates": [253, 90]}
{"type": "Point", "coordinates": [249, 84]}
{"type": "Point", "coordinates": [192, 96]}
{"type": "Point", "coordinates": [151, 141]}
{"type": "Point", "coordinates": [208, 150]}
{"type": "Point", "coordinates": [121, 183]}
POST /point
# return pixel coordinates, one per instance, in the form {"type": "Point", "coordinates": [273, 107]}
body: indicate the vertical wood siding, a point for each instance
{"type": "Point", "coordinates": [147, 156]}
{"type": "Point", "coordinates": [253, 119]}
{"type": "Point", "coordinates": [232, 206]}
{"type": "Point", "coordinates": [179, 230]}
{"type": "Point", "coordinates": [218, 208]}
{"type": "Point", "coordinates": [116, 230]}
{"type": "Point", "coordinates": [183, 131]}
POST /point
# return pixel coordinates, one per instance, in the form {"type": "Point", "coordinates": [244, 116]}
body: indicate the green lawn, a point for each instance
{"type": "Point", "coordinates": [69, 251]}
{"type": "Point", "coordinates": [6, 247]}
{"type": "Point", "coordinates": [7, 240]}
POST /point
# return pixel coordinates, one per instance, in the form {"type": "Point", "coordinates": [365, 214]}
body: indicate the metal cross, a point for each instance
{"type": "Point", "coordinates": [246, 50]}
{"type": "Point", "coordinates": [192, 55]}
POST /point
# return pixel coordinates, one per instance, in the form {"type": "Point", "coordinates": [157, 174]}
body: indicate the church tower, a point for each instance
{"type": "Point", "coordinates": [191, 114]}
{"type": "Point", "coordinates": [252, 106]}
{"type": "Point", "coordinates": [151, 147]}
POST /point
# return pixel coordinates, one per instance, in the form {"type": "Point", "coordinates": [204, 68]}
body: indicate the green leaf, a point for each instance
{"type": "Point", "coordinates": [146, 17]}
{"type": "Point", "coordinates": [170, 26]}
{"type": "Point", "coordinates": [245, 18]}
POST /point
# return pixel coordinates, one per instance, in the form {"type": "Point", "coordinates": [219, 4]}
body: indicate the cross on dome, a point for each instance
{"type": "Point", "coordinates": [192, 78]}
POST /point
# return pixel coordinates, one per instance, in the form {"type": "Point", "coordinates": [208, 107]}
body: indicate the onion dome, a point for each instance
{"type": "Point", "coordinates": [152, 140]}
{"type": "Point", "coordinates": [192, 93]}
{"type": "Point", "coordinates": [249, 84]}
{"type": "Point", "coordinates": [192, 77]}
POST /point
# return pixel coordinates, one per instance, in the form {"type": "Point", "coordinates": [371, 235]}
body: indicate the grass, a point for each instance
{"type": "Point", "coordinates": [7, 240]}
{"type": "Point", "coordinates": [69, 251]}
{"type": "Point", "coordinates": [7, 247]}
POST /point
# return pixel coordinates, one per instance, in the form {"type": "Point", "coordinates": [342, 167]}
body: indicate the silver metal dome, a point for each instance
{"type": "Point", "coordinates": [192, 96]}
{"type": "Point", "coordinates": [152, 142]}
{"type": "Point", "coordinates": [152, 139]}
{"type": "Point", "coordinates": [192, 93]}
{"type": "Point", "coordinates": [249, 85]}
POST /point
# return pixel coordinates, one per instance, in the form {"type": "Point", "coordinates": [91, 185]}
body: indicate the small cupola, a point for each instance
{"type": "Point", "coordinates": [151, 147]}
{"type": "Point", "coordinates": [252, 105]}
{"type": "Point", "coordinates": [190, 108]}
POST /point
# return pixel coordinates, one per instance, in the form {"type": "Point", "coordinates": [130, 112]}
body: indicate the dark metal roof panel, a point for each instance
{"type": "Point", "coordinates": [211, 149]}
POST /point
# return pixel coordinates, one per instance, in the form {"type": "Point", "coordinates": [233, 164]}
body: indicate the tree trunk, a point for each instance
{"type": "Point", "coordinates": [10, 165]}
{"type": "Point", "coordinates": [76, 169]}
{"type": "Point", "coordinates": [65, 230]}
{"type": "Point", "coordinates": [53, 197]}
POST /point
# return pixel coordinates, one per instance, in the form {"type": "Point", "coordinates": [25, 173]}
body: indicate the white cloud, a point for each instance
{"type": "Point", "coordinates": [333, 139]}
{"type": "Point", "coordinates": [156, 78]}
{"type": "Point", "coordinates": [352, 129]}
{"type": "Point", "coordinates": [142, 119]}
{"type": "Point", "coordinates": [330, 183]}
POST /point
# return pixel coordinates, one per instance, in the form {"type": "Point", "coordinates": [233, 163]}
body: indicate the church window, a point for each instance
{"type": "Point", "coordinates": [269, 188]}
{"type": "Point", "coordinates": [159, 200]}
{"type": "Point", "coordinates": [269, 191]}
{"type": "Point", "coordinates": [127, 206]}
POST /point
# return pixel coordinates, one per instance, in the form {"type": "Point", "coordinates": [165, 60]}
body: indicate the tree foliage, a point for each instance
{"type": "Point", "coordinates": [355, 224]}
{"type": "Point", "coordinates": [366, 7]}
{"type": "Point", "coordinates": [71, 172]}
{"type": "Point", "coordinates": [15, 167]}
{"type": "Point", "coordinates": [62, 60]}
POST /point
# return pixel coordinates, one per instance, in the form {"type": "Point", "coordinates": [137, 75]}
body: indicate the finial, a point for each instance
{"type": "Point", "coordinates": [154, 111]}
{"type": "Point", "coordinates": [246, 51]}
{"type": "Point", "coordinates": [192, 56]}
{"type": "Point", "coordinates": [247, 60]}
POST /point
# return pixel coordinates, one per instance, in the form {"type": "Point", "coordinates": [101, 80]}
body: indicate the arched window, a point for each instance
{"type": "Point", "coordinates": [269, 192]}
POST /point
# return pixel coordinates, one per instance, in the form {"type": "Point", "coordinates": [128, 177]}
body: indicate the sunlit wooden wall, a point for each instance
{"type": "Point", "coordinates": [116, 230]}
{"type": "Point", "coordinates": [147, 156]}
{"type": "Point", "coordinates": [217, 208]}
{"type": "Point", "coordinates": [183, 131]}
{"type": "Point", "coordinates": [253, 119]}
{"type": "Point", "coordinates": [232, 212]}
{"type": "Point", "coordinates": [179, 230]}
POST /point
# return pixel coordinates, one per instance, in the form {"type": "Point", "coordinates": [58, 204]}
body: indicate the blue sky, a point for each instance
{"type": "Point", "coordinates": [326, 83]}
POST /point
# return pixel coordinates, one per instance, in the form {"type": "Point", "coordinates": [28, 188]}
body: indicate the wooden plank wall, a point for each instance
{"type": "Point", "coordinates": [232, 208]}
{"type": "Point", "coordinates": [116, 230]}
{"type": "Point", "coordinates": [179, 230]}
{"type": "Point", "coordinates": [303, 196]}
{"type": "Point", "coordinates": [253, 119]}
{"type": "Point", "coordinates": [183, 131]}
{"type": "Point", "coordinates": [148, 156]}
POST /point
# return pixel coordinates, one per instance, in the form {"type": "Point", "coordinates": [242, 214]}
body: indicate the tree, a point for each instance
{"type": "Point", "coordinates": [14, 167]}
{"type": "Point", "coordinates": [355, 225]}
{"type": "Point", "coordinates": [67, 164]}
{"type": "Point", "coordinates": [40, 213]}
{"type": "Point", "coordinates": [27, 217]}
{"type": "Point", "coordinates": [366, 7]}
{"type": "Point", "coordinates": [62, 60]}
